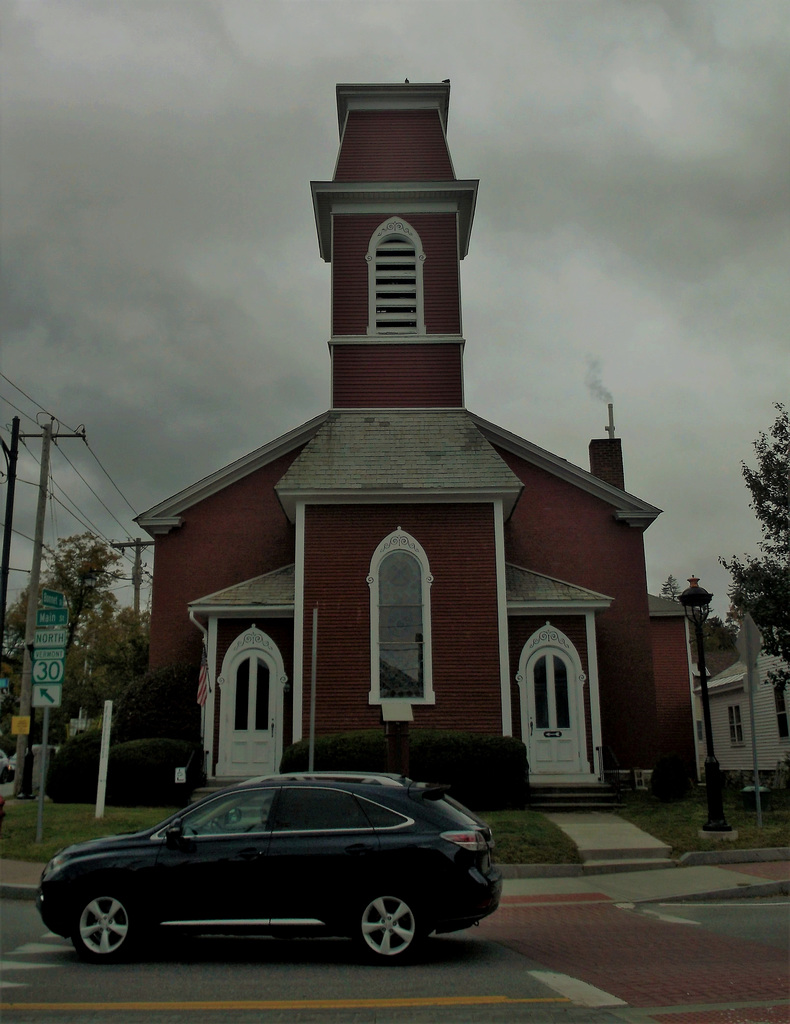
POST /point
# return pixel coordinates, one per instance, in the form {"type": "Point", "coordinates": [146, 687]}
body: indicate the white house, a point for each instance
{"type": "Point", "coordinates": [731, 718]}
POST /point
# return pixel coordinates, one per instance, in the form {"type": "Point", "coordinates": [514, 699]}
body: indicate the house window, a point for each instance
{"type": "Point", "coordinates": [736, 731]}
{"type": "Point", "coordinates": [781, 712]}
{"type": "Point", "coordinates": [400, 617]}
{"type": "Point", "coordinates": [395, 299]}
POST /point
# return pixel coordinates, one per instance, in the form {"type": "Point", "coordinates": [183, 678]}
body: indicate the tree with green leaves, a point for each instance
{"type": "Point", "coordinates": [761, 583]}
{"type": "Point", "coordinates": [106, 644]}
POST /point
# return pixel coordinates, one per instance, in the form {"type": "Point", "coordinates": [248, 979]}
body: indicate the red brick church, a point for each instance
{"type": "Point", "coordinates": [459, 575]}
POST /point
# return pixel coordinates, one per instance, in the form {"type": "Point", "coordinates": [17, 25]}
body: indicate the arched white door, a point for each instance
{"type": "Point", "coordinates": [553, 719]}
{"type": "Point", "coordinates": [252, 684]}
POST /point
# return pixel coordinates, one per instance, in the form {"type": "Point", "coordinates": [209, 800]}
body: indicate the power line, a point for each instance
{"type": "Point", "coordinates": [38, 405]}
{"type": "Point", "coordinates": [96, 496]}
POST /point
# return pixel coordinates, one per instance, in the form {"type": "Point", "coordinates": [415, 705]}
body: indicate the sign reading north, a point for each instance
{"type": "Point", "coordinates": [50, 638]}
{"type": "Point", "coordinates": [51, 617]}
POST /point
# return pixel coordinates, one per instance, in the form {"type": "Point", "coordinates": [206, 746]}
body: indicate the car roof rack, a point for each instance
{"type": "Point", "coordinates": [365, 778]}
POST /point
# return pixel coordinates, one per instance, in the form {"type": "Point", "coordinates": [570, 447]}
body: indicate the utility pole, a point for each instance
{"type": "Point", "coordinates": [137, 570]}
{"type": "Point", "coordinates": [23, 782]}
{"type": "Point", "coordinates": [11, 455]}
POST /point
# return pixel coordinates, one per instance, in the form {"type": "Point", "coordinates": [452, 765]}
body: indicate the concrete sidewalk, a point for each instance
{"type": "Point", "coordinates": [619, 862]}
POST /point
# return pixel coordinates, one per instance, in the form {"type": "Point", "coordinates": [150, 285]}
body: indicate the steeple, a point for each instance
{"type": "Point", "coordinates": [394, 222]}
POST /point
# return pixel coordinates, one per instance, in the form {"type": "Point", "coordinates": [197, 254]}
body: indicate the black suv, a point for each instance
{"type": "Point", "coordinates": [379, 858]}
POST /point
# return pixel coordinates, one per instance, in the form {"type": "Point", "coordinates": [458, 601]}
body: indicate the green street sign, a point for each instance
{"type": "Point", "coordinates": [53, 598]}
{"type": "Point", "coordinates": [50, 671]}
{"type": "Point", "coordinates": [46, 695]}
{"type": "Point", "coordinates": [52, 617]}
{"type": "Point", "coordinates": [50, 638]}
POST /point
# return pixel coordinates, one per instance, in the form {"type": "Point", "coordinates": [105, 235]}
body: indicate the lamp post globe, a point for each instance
{"type": "Point", "coordinates": [696, 604]}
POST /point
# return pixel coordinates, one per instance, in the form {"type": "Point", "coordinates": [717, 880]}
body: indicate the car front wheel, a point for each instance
{"type": "Point", "coordinates": [389, 928]}
{"type": "Point", "coordinates": [101, 932]}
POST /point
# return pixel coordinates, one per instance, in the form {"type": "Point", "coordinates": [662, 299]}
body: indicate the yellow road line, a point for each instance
{"type": "Point", "coordinates": [287, 1004]}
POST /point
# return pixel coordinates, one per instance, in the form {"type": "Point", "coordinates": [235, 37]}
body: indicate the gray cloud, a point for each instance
{"type": "Point", "coordinates": [161, 274]}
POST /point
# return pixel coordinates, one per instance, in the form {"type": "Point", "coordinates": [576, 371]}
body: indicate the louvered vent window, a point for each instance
{"type": "Point", "coordinates": [396, 287]}
{"type": "Point", "coordinates": [395, 280]}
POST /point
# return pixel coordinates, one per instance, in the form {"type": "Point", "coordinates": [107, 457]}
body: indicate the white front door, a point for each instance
{"type": "Point", "coordinates": [251, 716]}
{"type": "Point", "coordinates": [554, 733]}
{"type": "Point", "coordinates": [249, 742]}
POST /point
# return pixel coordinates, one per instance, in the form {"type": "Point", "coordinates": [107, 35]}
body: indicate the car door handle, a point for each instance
{"type": "Point", "coordinates": [251, 853]}
{"type": "Point", "coordinates": [357, 848]}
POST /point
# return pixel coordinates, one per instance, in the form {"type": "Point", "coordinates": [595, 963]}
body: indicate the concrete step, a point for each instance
{"type": "Point", "coordinates": [553, 807]}
{"type": "Point", "coordinates": [648, 852]}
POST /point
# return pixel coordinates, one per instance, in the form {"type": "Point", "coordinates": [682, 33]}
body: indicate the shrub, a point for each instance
{"type": "Point", "coordinates": [143, 772]}
{"type": "Point", "coordinates": [670, 780]}
{"type": "Point", "coordinates": [487, 772]}
{"type": "Point", "coordinates": [138, 772]}
{"type": "Point", "coordinates": [73, 773]}
{"type": "Point", "coordinates": [160, 704]}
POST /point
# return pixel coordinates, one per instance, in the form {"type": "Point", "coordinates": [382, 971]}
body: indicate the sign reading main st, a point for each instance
{"type": "Point", "coordinates": [48, 617]}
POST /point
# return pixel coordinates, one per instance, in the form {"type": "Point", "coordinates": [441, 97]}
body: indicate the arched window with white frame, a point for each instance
{"type": "Point", "coordinates": [400, 621]}
{"type": "Point", "coordinates": [395, 295]}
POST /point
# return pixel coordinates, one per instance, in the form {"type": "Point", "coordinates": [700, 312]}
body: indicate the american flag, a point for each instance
{"type": "Point", "coordinates": [203, 685]}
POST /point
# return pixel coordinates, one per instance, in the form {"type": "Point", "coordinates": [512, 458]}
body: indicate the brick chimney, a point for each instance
{"type": "Point", "coordinates": [606, 460]}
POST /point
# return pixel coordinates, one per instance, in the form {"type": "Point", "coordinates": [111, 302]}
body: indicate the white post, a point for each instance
{"type": "Point", "coordinates": [103, 758]}
{"type": "Point", "coordinates": [311, 743]}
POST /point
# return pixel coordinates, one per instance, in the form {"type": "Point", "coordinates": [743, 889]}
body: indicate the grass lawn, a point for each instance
{"type": "Point", "coordinates": [522, 837]}
{"type": "Point", "coordinates": [526, 837]}
{"type": "Point", "coordinates": [65, 824]}
{"type": "Point", "coordinates": [677, 824]}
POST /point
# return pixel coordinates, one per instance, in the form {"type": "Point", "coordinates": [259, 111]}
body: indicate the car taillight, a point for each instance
{"type": "Point", "coordinates": [468, 840]}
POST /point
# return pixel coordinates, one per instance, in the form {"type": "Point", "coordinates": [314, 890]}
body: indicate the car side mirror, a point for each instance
{"type": "Point", "coordinates": [174, 834]}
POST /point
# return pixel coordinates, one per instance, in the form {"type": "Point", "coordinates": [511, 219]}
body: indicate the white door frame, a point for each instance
{"type": "Point", "coordinates": [250, 641]}
{"type": "Point", "coordinates": [549, 640]}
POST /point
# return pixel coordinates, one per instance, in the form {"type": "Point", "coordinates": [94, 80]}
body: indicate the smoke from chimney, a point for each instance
{"type": "Point", "coordinates": [593, 381]}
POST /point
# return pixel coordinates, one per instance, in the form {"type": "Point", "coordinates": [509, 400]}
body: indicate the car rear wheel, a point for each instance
{"type": "Point", "coordinates": [101, 932]}
{"type": "Point", "coordinates": [389, 928]}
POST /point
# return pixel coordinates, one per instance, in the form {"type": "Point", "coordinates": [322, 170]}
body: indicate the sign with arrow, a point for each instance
{"type": "Point", "coordinates": [45, 695]}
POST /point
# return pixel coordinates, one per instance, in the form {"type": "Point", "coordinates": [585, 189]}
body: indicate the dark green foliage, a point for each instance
{"type": "Point", "coordinates": [670, 780]}
{"type": "Point", "coordinates": [362, 751]}
{"type": "Point", "coordinates": [141, 772]}
{"type": "Point", "coordinates": [483, 771]}
{"type": "Point", "coordinates": [74, 771]}
{"type": "Point", "coordinates": [761, 584]}
{"type": "Point", "coordinates": [162, 703]}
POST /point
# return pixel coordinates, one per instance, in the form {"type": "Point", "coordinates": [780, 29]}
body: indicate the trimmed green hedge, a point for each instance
{"type": "Point", "coordinates": [140, 772]}
{"type": "Point", "coordinates": [484, 772]}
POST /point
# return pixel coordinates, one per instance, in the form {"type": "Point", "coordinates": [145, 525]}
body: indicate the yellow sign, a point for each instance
{"type": "Point", "coordinates": [20, 725]}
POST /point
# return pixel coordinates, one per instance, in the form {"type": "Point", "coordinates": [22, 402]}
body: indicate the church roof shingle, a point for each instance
{"type": "Point", "coordinates": [397, 452]}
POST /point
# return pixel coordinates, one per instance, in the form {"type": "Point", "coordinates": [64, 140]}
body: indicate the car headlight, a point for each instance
{"type": "Point", "coordinates": [53, 865]}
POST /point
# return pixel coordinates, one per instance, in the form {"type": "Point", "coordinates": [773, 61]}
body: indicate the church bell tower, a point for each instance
{"type": "Point", "coordinates": [394, 222]}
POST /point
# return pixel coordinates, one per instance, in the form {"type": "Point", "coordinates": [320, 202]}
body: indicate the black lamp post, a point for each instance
{"type": "Point", "coordinates": [696, 604]}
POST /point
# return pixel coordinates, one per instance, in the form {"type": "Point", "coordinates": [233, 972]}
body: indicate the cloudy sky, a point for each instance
{"type": "Point", "coordinates": [162, 284]}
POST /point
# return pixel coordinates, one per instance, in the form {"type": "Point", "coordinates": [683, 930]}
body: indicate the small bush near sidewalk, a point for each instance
{"type": "Point", "coordinates": [677, 824]}
{"type": "Point", "coordinates": [65, 824]}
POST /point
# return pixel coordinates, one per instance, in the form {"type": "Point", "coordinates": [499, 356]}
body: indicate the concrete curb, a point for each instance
{"type": "Point", "coordinates": [708, 857]}
{"type": "Point", "coordinates": [749, 891]}
{"type": "Point", "coordinates": [18, 892]}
